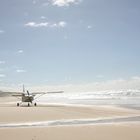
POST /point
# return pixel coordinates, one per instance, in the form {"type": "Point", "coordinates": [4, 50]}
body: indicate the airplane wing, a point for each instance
{"type": "Point", "coordinates": [51, 92]}
{"type": "Point", "coordinates": [4, 94]}
{"type": "Point", "coordinates": [43, 93]}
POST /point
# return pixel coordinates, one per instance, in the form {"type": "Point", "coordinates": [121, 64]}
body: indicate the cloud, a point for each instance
{"type": "Point", "coordinates": [2, 62]}
{"type": "Point", "coordinates": [34, 2]}
{"type": "Point", "coordinates": [21, 71]}
{"type": "Point", "coordinates": [61, 24]}
{"type": "Point", "coordinates": [118, 84]}
{"type": "Point", "coordinates": [61, 3]}
{"type": "Point", "coordinates": [2, 75]}
{"type": "Point", "coordinates": [104, 86]}
{"type": "Point", "coordinates": [46, 24]}
{"type": "Point", "coordinates": [20, 51]}
{"type": "Point", "coordinates": [136, 78]}
{"type": "Point", "coordinates": [67, 79]}
{"type": "Point", "coordinates": [89, 27]}
{"type": "Point", "coordinates": [2, 31]}
{"type": "Point", "coordinates": [34, 24]}
{"type": "Point", "coordinates": [43, 17]}
{"type": "Point", "coordinates": [130, 84]}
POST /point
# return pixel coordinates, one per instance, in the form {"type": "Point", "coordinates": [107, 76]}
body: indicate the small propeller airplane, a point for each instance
{"type": "Point", "coordinates": [25, 96]}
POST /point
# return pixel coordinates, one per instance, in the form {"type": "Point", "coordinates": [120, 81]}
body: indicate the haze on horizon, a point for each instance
{"type": "Point", "coordinates": [76, 44]}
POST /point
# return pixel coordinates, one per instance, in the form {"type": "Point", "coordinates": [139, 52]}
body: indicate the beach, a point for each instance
{"type": "Point", "coordinates": [63, 122]}
{"type": "Point", "coordinates": [99, 132]}
{"type": "Point", "coordinates": [70, 70]}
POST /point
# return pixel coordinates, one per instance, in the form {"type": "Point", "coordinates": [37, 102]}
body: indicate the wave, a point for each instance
{"type": "Point", "coordinates": [86, 98]}
{"type": "Point", "coordinates": [73, 122]}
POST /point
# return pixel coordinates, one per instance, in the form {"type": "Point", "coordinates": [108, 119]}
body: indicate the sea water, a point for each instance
{"type": "Point", "coordinates": [125, 98]}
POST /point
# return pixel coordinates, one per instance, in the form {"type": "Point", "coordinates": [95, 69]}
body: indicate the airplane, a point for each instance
{"type": "Point", "coordinates": [29, 97]}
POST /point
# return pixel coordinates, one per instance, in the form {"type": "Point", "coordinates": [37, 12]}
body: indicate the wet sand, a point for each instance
{"type": "Point", "coordinates": [50, 112]}
{"type": "Point", "coordinates": [109, 131]}
{"type": "Point", "coordinates": [97, 132]}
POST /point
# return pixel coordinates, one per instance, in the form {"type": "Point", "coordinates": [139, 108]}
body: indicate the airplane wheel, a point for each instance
{"type": "Point", "coordinates": [17, 104]}
{"type": "Point", "coordinates": [35, 104]}
{"type": "Point", "coordinates": [28, 104]}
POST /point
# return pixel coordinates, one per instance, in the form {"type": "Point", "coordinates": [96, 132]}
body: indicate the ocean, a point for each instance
{"type": "Point", "coordinates": [118, 98]}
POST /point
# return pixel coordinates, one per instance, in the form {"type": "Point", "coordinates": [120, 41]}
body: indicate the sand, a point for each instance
{"type": "Point", "coordinates": [97, 132]}
{"type": "Point", "coordinates": [50, 112]}
{"type": "Point", "coordinates": [112, 131]}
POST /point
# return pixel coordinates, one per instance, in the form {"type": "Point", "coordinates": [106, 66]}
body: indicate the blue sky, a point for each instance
{"type": "Point", "coordinates": [69, 42]}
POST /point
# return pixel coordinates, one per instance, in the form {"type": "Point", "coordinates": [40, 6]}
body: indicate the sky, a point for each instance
{"type": "Point", "coordinates": [70, 44]}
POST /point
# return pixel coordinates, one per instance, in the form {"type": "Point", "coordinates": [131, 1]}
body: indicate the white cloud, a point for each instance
{"type": "Point", "coordinates": [43, 17]}
{"type": "Point", "coordinates": [2, 62]}
{"type": "Point", "coordinates": [2, 75]}
{"type": "Point", "coordinates": [59, 24]}
{"type": "Point", "coordinates": [136, 78]}
{"type": "Point", "coordinates": [46, 24]}
{"type": "Point", "coordinates": [61, 3]}
{"type": "Point", "coordinates": [20, 51]}
{"type": "Point", "coordinates": [34, 2]}
{"type": "Point", "coordinates": [21, 71]}
{"type": "Point", "coordinates": [67, 79]}
{"type": "Point", "coordinates": [34, 24]}
{"type": "Point", "coordinates": [62, 24]}
{"type": "Point", "coordinates": [89, 27]}
{"type": "Point", "coordinates": [104, 86]}
{"type": "Point", "coordinates": [2, 31]}
{"type": "Point", "coordinates": [110, 85]}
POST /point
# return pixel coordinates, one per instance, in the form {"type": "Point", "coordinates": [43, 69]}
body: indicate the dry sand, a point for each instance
{"type": "Point", "coordinates": [117, 131]}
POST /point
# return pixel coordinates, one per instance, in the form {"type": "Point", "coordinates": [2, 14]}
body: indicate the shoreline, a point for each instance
{"type": "Point", "coordinates": [75, 122]}
{"type": "Point", "coordinates": [64, 122]}
{"type": "Point", "coordinates": [97, 132]}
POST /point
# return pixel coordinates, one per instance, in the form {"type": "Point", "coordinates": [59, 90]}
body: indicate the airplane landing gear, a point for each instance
{"type": "Point", "coordinates": [29, 104]}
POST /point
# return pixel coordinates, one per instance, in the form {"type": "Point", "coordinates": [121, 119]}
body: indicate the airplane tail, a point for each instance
{"type": "Point", "coordinates": [23, 89]}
